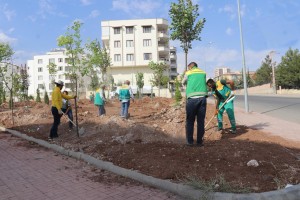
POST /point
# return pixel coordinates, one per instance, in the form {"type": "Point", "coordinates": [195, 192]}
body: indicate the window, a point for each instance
{"type": "Point", "coordinates": [117, 44]}
{"type": "Point", "coordinates": [117, 30]}
{"type": "Point", "coordinates": [40, 61]}
{"type": "Point", "coordinates": [146, 29]}
{"type": "Point", "coordinates": [129, 30]}
{"type": "Point", "coordinates": [41, 86]}
{"type": "Point", "coordinates": [51, 60]}
{"type": "Point", "coordinates": [70, 85]}
{"type": "Point", "coordinates": [40, 69]}
{"type": "Point", "coordinates": [147, 56]}
{"type": "Point", "coordinates": [117, 57]}
{"type": "Point", "coordinates": [129, 43]}
{"type": "Point", "coordinates": [40, 78]}
{"type": "Point", "coordinates": [52, 77]}
{"type": "Point", "coordinates": [147, 42]}
{"type": "Point", "coordinates": [67, 78]}
{"type": "Point", "coordinates": [61, 76]}
{"type": "Point", "coordinates": [60, 60]}
{"type": "Point", "coordinates": [50, 86]}
{"type": "Point", "coordinates": [129, 57]}
{"type": "Point", "coordinates": [60, 68]}
{"type": "Point", "coordinates": [67, 68]}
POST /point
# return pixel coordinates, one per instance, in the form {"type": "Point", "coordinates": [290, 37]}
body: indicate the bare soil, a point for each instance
{"type": "Point", "coordinates": [152, 141]}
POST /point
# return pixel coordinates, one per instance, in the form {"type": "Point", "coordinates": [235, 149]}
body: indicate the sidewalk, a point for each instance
{"type": "Point", "coordinates": [271, 125]}
{"type": "Point", "coordinates": [38, 173]}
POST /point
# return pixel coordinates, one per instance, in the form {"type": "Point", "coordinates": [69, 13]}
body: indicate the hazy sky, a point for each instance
{"type": "Point", "coordinates": [33, 26]}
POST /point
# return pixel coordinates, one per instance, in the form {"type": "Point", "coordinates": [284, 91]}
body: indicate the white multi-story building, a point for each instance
{"type": "Point", "coordinates": [38, 72]}
{"type": "Point", "coordinates": [221, 71]}
{"type": "Point", "coordinates": [173, 63]}
{"type": "Point", "coordinates": [132, 44]}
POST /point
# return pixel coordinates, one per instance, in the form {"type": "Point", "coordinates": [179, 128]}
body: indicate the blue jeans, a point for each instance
{"type": "Point", "coordinates": [124, 108]}
{"type": "Point", "coordinates": [70, 115]}
{"type": "Point", "coordinates": [195, 107]}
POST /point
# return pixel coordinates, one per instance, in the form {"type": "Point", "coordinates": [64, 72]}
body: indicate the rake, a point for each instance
{"type": "Point", "coordinates": [81, 130]}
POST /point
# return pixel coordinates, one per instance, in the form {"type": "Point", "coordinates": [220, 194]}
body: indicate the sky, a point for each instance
{"type": "Point", "coordinates": [32, 27]}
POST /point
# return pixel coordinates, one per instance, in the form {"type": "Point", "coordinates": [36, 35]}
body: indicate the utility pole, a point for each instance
{"type": "Point", "coordinates": [244, 63]}
{"type": "Point", "coordinates": [273, 72]}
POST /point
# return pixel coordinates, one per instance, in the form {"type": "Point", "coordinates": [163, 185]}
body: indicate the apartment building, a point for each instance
{"type": "Point", "coordinates": [39, 77]}
{"type": "Point", "coordinates": [221, 71]}
{"type": "Point", "coordinates": [132, 44]}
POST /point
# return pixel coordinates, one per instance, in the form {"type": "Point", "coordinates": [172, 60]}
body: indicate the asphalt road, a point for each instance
{"type": "Point", "coordinates": [285, 108]}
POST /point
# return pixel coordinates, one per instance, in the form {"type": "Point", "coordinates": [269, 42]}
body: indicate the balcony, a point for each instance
{"type": "Point", "coordinates": [163, 48]}
{"type": "Point", "coordinates": [173, 56]}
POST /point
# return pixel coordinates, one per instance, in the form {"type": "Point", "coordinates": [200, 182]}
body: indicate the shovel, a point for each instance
{"type": "Point", "coordinates": [230, 98]}
{"type": "Point", "coordinates": [81, 130]}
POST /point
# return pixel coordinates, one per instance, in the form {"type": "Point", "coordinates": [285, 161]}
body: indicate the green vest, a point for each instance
{"type": "Point", "coordinates": [124, 92]}
{"type": "Point", "coordinates": [196, 83]}
{"type": "Point", "coordinates": [98, 101]}
{"type": "Point", "coordinates": [222, 90]}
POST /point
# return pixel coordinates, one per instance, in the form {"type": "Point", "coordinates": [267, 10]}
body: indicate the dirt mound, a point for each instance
{"type": "Point", "coordinates": [152, 142]}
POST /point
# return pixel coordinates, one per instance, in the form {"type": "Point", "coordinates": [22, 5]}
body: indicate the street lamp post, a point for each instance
{"type": "Point", "coordinates": [273, 72]}
{"type": "Point", "coordinates": [244, 62]}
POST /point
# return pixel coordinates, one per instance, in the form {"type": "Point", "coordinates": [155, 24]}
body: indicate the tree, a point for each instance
{"type": "Point", "coordinates": [178, 95]}
{"type": "Point", "coordinates": [263, 74]}
{"type": "Point", "coordinates": [97, 58]}
{"type": "Point", "coordinates": [140, 82]}
{"type": "Point", "coordinates": [184, 26]}
{"type": "Point", "coordinates": [288, 71]}
{"type": "Point", "coordinates": [94, 81]}
{"type": "Point", "coordinates": [24, 83]}
{"type": "Point", "coordinates": [72, 42]}
{"type": "Point", "coordinates": [38, 97]}
{"type": "Point", "coordinates": [158, 69]}
{"type": "Point", "coordinates": [46, 97]}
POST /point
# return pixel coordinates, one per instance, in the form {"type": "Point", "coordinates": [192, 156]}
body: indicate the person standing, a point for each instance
{"type": "Point", "coordinates": [67, 109]}
{"type": "Point", "coordinates": [196, 93]}
{"type": "Point", "coordinates": [56, 108]}
{"type": "Point", "coordinates": [221, 93]}
{"type": "Point", "coordinates": [125, 94]}
{"type": "Point", "coordinates": [100, 100]}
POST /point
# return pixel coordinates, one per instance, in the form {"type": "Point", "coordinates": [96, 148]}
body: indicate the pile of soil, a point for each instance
{"type": "Point", "coordinates": [152, 141]}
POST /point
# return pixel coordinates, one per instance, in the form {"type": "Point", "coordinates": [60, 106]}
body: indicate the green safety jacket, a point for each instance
{"type": "Point", "coordinates": [124, 93]}
{"type": "Point", "coordinates": [196, 83]}
{"type": "Point", "coordinates": [222, 91]}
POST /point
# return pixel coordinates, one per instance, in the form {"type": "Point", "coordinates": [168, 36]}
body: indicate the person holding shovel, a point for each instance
{"type": "Point", "coordinates": [196, 93]}
{"type": "Point", "coordinates": [67, 109]}
{"type": "Point", "coordinates": [221, 93]}
{"type": "Point", "coordinates": [56, 108]}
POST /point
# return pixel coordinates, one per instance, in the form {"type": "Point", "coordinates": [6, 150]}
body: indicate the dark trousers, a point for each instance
{"type": "Point", "coordinates": [56, 122]}
{"type": "Point", "coordinates": [195, 107]}
{"type": "Point", "coordinates": [70, 115]}
{"type": "Point", "coordinates": [102, 110]}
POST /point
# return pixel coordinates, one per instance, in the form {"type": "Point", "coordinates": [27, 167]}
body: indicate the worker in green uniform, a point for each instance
{"type": "Point", "coordinates": [196, 92]}
{"type": "Point", "coordinates": [221, 93]}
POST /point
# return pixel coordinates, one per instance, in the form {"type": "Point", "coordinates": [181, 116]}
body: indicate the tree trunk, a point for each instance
{"type": "Point", "coordinates": [186, 65]}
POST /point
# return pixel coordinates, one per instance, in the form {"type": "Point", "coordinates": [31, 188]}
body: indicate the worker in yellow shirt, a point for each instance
{"type": "Point", "coordinates": [56, 107]}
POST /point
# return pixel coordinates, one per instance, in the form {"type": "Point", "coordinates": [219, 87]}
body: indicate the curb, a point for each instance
{"type": "Point", "coordinates": [291, 193]}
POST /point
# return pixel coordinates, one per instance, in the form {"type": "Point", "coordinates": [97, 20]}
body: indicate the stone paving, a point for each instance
{"type": "Point", "coordinates": [38, 173]}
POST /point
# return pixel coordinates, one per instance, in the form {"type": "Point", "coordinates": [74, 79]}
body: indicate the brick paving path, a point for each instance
{"type": "Point", "coordinates": [29, 172]}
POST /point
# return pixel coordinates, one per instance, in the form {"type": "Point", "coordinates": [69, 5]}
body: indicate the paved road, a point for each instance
{"type": "Point", "coordinates": [37, 173]}
{"type": "Point", "coordinates": [281, 107]}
